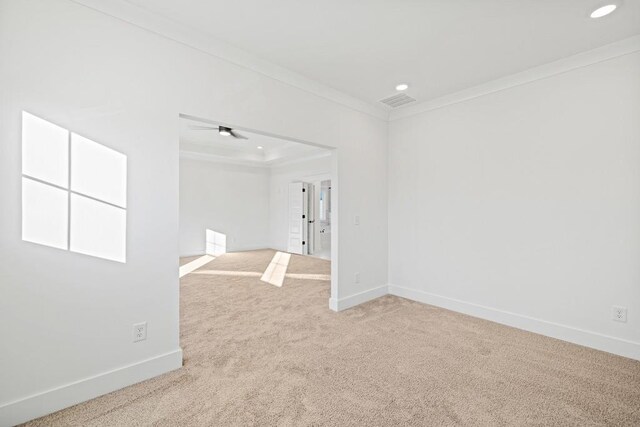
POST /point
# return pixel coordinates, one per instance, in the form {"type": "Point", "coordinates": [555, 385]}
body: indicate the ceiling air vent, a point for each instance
{"type": "Point", "coordinates": [397, 100]}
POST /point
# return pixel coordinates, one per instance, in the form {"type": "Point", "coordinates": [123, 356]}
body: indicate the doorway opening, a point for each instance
{"type": "Point", "coordinates": [260, 200]}
{"type": "Point", "coordinates": [310, 217]}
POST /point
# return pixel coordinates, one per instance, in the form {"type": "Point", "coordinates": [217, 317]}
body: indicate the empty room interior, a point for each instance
{"type": "Point", "coordinates": [257, 197]}
{"type": "Point", "coordinates": [341, 213]}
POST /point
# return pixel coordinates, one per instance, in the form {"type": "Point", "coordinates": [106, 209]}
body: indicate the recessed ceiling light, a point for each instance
{"type": "Point", "coordinates": [603, 11]}
{"type": "Point", "coordinates": [402, 86]}
{"type": "Point", "coordinates": [260, 147]}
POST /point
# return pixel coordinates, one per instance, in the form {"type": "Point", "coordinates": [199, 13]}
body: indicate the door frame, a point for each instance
{"type": "Point", "coordinates": [335, 191]}
{"type": "Point", "coordinates": [312, 179]}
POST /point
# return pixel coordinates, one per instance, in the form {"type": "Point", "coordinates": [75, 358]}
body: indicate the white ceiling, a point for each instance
{"type": "Point", "coordinates": [210, 145]}
{"type": "Point", "coordinates": [363, 48]}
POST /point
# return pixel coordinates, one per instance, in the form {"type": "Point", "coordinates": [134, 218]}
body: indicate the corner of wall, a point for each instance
{"type": "Point", "coordinates": [357, 299]}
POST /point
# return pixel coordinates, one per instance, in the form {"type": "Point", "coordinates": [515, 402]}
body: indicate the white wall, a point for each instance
{"type": "Point", "coordinates": [249, 204]}
{"type": "Point", "coordinates": [66, 319]}
{"type": "Point", "coordinates": [523, 205]}
{"type": "Point", "coordinates": [281, 176]}
{"type": "Point", "coordinates": [227, 198]}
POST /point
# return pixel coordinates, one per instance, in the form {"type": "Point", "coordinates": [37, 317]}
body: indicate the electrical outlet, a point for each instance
{"type": "Point", "coordinates": [357, 277]}
{"type": "Point", "coordinates": [356, 220]}
{"type": "Point", "coordinates": [618, 313]}
{"type": "Point", "coordinates": [140, 332]}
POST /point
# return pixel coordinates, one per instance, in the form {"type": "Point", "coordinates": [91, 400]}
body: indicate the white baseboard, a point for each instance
{"type": "Point", "coordinates": [359, 298]}
{"type": "Point", "coordinates": [244, 248]}
{"type": "Point", "coordinates": [241, 248]}
{"type": "Point", "coordinates": [555, 330]}
{"type": "Point", "coordinates": [53, 400]}
{"type": "Point", "coordinates": [192, 253]}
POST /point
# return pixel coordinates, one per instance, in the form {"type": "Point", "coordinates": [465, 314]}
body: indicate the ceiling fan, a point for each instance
{"type": "Point", "coordinates": [222, 130]}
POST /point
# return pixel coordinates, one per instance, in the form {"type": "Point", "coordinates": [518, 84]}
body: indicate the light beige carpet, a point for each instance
{"type": "Point", "coordinates": [256, 354]}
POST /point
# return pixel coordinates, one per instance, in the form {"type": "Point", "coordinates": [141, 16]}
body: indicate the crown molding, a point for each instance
{"type": "Point", "coordinates": [583, 59]}
{"type": "Point", "coordinates": [198, 40]}
{"type": "Point", "coordinates": [206, 157]}
{"type": "Point", "coordinates": [167, 28]}
{"type": "Point", "coordinates": [300, 159]}
{"type": "Point", "coordinates": [192, 155]}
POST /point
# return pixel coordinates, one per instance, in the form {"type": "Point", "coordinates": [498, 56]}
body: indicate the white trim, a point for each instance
{"type": "Point", "coordinates": [200, 41]}
{"type": "Point", "coordinates": [590, 57]}
{"type": "Point", "coordinates": [242, 248]}
{"type": "Point", "coordinates": [206, 157]}
{"type": "Point", "coordinates": [246, 248]}
{"type": "Point", "coordinates": [203, 42]}
{"type": "Point", "coordinates": [52, 400]}
{"type": "Point", "coordinates": [543, 327]}
{"type": "Point", "coordinates": [199, 252]}
{"type": "Point", "coordinates": [300, 159]}
{"type": "Point", "coordinates": [320, 176]}
{"type": "Point", "coordinates": [357, 299]}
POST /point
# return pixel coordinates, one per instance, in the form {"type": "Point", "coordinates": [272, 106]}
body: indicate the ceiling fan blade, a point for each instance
{"type": "Point", "coordinates": [237, 135]}
{"type": "Point", "coordinates": [203, 128]}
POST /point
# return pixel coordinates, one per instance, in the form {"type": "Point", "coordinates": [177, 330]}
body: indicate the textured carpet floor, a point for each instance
{"type": "Point", "coordinates": [256, 354]}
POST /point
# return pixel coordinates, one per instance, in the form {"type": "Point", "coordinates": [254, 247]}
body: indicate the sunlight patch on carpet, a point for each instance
{"type": "Point", "coordinates": [277, 269]}
{"type": "Point", "coordinates": [196, 263]}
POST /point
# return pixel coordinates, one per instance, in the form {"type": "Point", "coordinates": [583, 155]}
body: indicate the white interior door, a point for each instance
{"type": "Point", "coordinates": [298, 211]}
{"type": "Point", "coordinates": [311, 219]}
